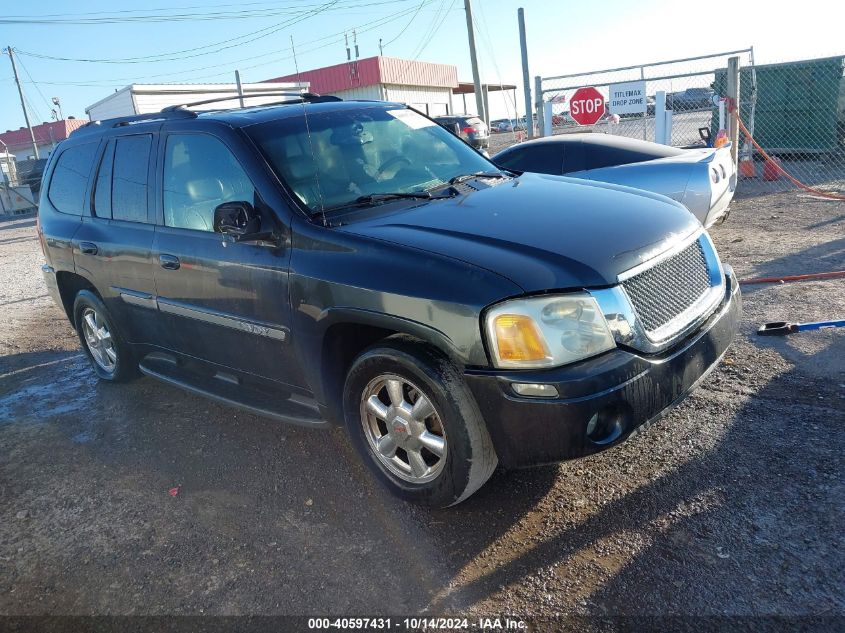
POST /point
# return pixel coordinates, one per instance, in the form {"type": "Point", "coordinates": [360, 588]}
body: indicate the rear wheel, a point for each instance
{"type": "Point", "coordinates": [416, 424]}
{"type": "Point", "coordinates": [110, 356]}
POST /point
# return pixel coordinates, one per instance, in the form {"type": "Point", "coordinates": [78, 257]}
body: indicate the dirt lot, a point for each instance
{"type": "Point", "coordinates": [731, 505]}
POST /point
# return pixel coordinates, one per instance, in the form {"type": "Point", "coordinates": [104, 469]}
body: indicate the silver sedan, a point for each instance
{"type": "Point", "coordinates": [703, 180]}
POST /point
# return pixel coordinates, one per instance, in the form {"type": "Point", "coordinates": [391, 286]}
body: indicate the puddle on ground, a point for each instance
{"type": "Point", "coordinates": [68, 387]}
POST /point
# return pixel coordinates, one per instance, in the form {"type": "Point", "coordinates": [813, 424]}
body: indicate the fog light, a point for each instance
{"type": "Point", "coordinates": [608, 425]}
{"type": "Point", "coordinates": [535, 390]}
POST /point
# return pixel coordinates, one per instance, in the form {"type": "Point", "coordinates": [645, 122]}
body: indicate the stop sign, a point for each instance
{"type": "Point", "coordinates": [586, 106]}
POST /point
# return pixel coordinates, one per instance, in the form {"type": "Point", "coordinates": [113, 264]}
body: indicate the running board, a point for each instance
{"type": "Point", "coordinates": [227, 389]}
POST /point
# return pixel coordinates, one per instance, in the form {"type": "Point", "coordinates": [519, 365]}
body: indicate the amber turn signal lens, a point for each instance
{"type": "Point", "coordinates": [518, 338]}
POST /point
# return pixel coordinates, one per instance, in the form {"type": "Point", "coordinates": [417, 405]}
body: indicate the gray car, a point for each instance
{"type": "Point", "coordinates": [468, 127]}
{"type": "Point", "coordinates": [703, 180]}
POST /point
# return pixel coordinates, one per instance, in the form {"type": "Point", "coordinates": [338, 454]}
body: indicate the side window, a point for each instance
{"type": "Point", "coordinates": [541, 158]}
{"type": "Point", "coordinates": [70, 178]}
{"type": "Point", "coordinates": [200, 173]}
{"type": "Point", "coordinates": [129, 178]}
{"type": "Point", "coordinates": [102, 188]}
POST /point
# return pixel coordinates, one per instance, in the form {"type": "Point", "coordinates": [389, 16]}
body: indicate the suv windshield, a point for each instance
{"type": "Point", "coordinates": [338, 156]}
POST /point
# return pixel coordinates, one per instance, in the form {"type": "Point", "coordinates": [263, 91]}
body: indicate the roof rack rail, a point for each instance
{"type": "Point", "coordinates": [183, 111]}
{"type": "Point", "coordinates": [138, 118]}
{"type": "Point", "coordinates": [308, 97]}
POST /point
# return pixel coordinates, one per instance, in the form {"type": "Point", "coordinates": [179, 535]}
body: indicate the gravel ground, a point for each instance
{"type": "Point", "coordinates": [731, 505]}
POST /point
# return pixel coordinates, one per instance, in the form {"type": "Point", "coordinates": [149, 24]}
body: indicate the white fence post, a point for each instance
{"type": "Point", "coordinates": [547, 118]}
{"type": "Point", "coordinates": [660, 117]}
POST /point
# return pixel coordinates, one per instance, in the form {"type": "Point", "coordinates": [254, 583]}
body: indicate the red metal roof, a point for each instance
{"type": "Point", "coordinates": [45, 133]}
{"type": "Point", "coordinates": [376, 70]}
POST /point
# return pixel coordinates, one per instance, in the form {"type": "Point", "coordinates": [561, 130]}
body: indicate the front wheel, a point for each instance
{"type": "Point", "coordinates": [416, 424]}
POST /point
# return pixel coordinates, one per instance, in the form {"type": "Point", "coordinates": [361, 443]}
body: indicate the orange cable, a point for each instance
{"type": "Point", "coordinates": [790, 177]}
{"type": "Point", "coordinates": [773, 280]}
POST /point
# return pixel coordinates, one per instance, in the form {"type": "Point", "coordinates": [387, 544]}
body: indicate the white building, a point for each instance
{"type": "Point", "coordinates": [148, 98]}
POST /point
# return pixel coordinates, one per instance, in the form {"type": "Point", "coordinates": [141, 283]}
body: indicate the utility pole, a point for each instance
{"type": "Point", "coordinates": [23, 103]}
{"type": "Point", "coordinates": [239, 87]}
{"type": "Point", "coordinates": [479, 97]}
{"type": "Point", "coordinates": [526, 78]}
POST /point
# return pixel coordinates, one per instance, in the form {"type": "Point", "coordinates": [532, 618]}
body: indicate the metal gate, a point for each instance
{"type": "Point", "coordinates": [687, 87]}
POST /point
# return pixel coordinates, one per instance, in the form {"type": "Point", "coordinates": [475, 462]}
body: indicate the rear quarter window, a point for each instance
{"type": "Point", "coordinates": [70, 178]}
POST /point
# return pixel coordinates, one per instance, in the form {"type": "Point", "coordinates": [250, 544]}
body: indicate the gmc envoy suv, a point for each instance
{"type": "Point", "coordinates": [326, 262]}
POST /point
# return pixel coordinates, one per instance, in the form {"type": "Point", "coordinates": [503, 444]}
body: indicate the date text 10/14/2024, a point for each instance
{"type": "Point", "coordinates": [418, 624]}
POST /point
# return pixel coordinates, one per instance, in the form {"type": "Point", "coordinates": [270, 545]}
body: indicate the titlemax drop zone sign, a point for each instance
{"type": "Point", "coordinates": [627, 98]}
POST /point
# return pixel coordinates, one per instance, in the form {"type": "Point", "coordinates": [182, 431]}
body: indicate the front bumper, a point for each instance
{"type": "Point", "coordinates": [601, 400]}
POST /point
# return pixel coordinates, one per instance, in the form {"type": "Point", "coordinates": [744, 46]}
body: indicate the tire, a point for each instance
{"type": "Point", "coordinates": [111, 357]}
{"type": "Point", "coordinates": [456, 450]}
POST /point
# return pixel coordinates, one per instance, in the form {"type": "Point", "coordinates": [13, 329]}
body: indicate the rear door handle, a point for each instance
{"type": "Point", "coordinates": [88, 248]}
{"type": "Point", "coordinates": [169, 262]}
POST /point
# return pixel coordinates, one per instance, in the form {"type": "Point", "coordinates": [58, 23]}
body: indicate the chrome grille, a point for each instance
{"type": "Point", "coordinates": [662, 292]}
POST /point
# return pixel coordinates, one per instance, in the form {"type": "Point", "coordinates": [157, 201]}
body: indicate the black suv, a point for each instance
{"type": "Point", "coordinates": [327, 262]}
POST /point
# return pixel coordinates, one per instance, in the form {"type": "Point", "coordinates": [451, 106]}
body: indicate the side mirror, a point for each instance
{"type": "Point", "coordinates": [241, 222]}
{"type": "Point", "coordinates": [236, 219]}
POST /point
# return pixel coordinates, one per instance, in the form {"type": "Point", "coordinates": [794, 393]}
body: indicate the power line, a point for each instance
{"type": "Point", "coordinates": [176, 55]}
{"type": "Point", "coordinates": [150, 10]}
{"type": "Point", "coordinates": [333, 37]}
{"type": "Point", "coordinates": [432, 31]}
{"type": "Point", "coordinates": [488, 43]}
{"type": "Point", "coordinates": [37, 88]}
{"type": "Point", "coordinates": [230, 43]}
{"type": "Point", "coordinates": [405, 28]}
{"type": "Point", "coordinates": [103, 19]}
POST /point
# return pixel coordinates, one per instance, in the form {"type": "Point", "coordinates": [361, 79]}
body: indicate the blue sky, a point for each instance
{"type": "Point", "coordinates": [564, 37]}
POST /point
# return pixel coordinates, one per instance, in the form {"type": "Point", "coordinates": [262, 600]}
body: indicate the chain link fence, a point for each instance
{"type": "Point", "coordinates": [687, 87]}
{"type": "Point", "coordinates": [794, 110]}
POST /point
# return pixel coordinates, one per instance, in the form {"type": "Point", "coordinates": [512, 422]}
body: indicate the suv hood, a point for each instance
{"type": "Point", "coordinates": [541, 232]}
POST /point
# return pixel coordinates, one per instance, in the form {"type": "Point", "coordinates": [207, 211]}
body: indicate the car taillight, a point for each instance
{"type": "Point", "coordinates": [469, 130]}
{"type": "Point", "coordinates": [714, 176]}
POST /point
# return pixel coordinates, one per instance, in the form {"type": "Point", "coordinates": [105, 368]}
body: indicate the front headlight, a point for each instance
{"type": "Point", "coordinates": [546, 331]}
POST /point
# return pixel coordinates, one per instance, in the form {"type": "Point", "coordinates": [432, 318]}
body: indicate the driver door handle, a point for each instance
{"type": "Point", "coordinates": [169, 262]}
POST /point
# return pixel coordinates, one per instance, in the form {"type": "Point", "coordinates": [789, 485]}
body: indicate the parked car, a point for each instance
{"type": "Point", "coordinates": [325, 262]}
{"type": "Point", "coordinates": [703, 180]}
{"type": "Point", "coordinates": [501, 125]}
{"type": "Point", "coordinates": [691, 99]}
{"type": "Point", "coordinates": [30, 172]}
{"type": "Point", "coordinates": [468, 127]}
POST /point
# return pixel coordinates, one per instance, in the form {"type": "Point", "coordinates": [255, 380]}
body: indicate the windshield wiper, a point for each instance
{"type": "Point", "coordinates": [380, 197]}
{"type": "Point", "coordinates": [479, 174]}
{"type": "Point", "coordinates": [373, 198]}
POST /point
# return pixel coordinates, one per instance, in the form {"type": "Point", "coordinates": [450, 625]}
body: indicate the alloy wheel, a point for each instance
{"type": "Point", "coordinates": [99, 340]}
{"type": "Point", "coordinates": [403, 429]}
